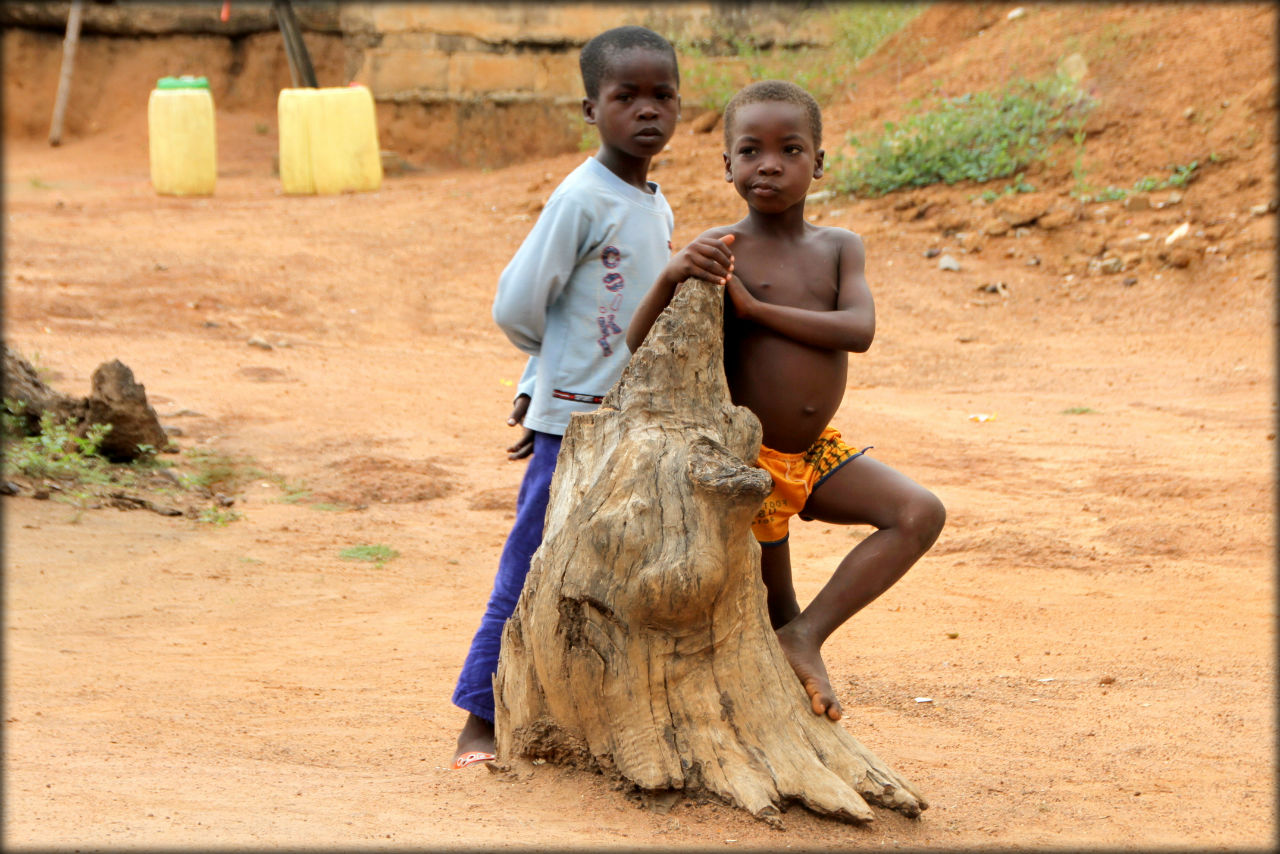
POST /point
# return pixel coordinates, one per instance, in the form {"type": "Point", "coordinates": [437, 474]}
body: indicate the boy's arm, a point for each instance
{"type": "Point", "coordinates": [707, 258]}
{"type": "Point", "coordinates": [538, 273]}
{"type": "Point", "coordinates": [850, 326]}
{"type": "Point", "coordinates": [529, 378]}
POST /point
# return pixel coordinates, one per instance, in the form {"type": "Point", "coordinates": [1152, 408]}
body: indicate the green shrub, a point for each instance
{"type": "Point", "coordinates": [56, 452]}
{"type": "Point", "coordinates": [972, 137]}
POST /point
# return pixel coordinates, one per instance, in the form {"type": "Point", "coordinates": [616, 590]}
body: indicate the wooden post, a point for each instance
{"type": "Point", "coordinates": [301, 70]}
{"type": "Point", "coordinates": [64, 78]}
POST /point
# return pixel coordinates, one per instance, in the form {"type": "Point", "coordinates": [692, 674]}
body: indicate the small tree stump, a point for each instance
{"type": "Point", "coordinates": [116, 399]}
{"type": "Point", "coordinates": [641, 645]}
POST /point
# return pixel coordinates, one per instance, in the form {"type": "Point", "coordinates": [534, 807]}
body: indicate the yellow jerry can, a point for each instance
{"type": "Point", "coordinates": [328, 140]}
{"type": "Point", "coordinates": [181, 137]}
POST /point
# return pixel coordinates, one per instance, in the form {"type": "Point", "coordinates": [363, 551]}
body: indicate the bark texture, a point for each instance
{"type": "Point", "coordinates": [641, 644]}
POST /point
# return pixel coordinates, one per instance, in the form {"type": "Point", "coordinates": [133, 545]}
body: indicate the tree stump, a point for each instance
{"type": "Point", "coordinates": [119, 400]}
{"type": "Point", "coordinates": [23, 386]}
{"type": "Point", "coordinates": [116, 399]}
{"type": "Point", "coordinates": [641, 645]}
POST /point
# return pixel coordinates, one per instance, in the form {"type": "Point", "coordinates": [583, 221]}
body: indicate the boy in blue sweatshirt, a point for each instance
{"type": "Point", "coordinates": [566, 299]}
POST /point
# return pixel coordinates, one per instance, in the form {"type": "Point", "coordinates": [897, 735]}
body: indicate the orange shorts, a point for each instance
{"type": "Point", "coordinates": [795, 477]}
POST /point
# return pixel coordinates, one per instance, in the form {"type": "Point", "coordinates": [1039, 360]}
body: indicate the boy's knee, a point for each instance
{"type": "Point", "coordinates": [923, 516]}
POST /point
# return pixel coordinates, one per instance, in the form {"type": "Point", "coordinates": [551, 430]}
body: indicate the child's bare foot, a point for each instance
{"type": "Point", "coordinates": [806, 661]}
{"type": "Point", "coordinates": [476, 742]}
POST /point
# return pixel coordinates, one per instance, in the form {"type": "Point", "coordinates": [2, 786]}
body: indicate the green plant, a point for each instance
{"type": "Point", "coordinates": [1018, 185]}
{"type": "Point", "coordinates": [261, 128]}
{"type": "Point", "coordinates": [1179, 176]}
{"type": "Point", "coordinates": [375, 554]}
{"type": "Point", "coordinates": [1078, 410]}
{"type": "Point", "coordinates": [218, 516]}
{"type": "Point", "coordinates": [66, 458]}
{"type": "Point", "coordinates": [1182, 175]}
{"type": "Point", "coordinates": [57, 452]}
{"type": "Point", "coordinates": [975, 137]}
{"type": "Point", "coordinates": [1081, 190]}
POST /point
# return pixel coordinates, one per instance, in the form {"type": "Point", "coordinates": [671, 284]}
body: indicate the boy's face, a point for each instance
{"type": "Point", "coordinates": [772, 158]}
{"type": "Point", "coordinates": [638, 104]}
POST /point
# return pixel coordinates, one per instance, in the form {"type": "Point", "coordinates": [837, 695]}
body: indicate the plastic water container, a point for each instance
{"type": "Point", "coordinates": [182, 137]}
{"type": "Point", "coordinates": [328, 140]}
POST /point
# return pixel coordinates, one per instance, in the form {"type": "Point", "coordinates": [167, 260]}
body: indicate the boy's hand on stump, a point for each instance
{"type": "Point", "coordinates": [706, 258]}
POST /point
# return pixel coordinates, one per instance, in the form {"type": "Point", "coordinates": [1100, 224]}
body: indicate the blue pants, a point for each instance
{"type": "Point", "coordinates": [474, 691]}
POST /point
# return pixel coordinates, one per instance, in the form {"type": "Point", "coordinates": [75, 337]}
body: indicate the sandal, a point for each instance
{"type": "Point", "coordinates": [471, 758]}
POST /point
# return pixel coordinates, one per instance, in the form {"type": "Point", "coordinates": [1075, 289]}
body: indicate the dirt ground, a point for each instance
{"type": "Point", "coordinates": [1095, 628]}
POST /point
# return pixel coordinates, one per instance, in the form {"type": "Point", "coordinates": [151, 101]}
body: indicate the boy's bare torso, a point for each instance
{"type": "Point", "coordinates": [793, 388]}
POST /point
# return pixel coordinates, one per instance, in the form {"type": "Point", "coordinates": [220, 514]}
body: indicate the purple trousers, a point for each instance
{"type": "Point", "coordinates": [474, 691]}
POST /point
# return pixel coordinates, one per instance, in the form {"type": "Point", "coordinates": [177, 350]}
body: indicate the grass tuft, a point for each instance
{"type": "Point", "coordinates": [376, 554]}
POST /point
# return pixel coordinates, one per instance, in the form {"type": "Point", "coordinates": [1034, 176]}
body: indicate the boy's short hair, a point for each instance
{"type": "Point", "coordinates": [597, 53]}
{"type": "Point", "coordinates": [774, 90]}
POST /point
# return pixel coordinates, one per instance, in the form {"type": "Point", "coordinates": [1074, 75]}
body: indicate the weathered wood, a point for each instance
{"type": "Point", "coordinates": [641, 644]}
{"type": "Point", "coordinates": [116, 399]}
{"type": "Point", "coordinates": [69, 43]}
{"type": "Point", "coordinates": [29, 394]}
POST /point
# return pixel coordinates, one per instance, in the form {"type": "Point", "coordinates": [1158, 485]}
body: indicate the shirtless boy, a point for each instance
{"type": "Point", "coordinates": [798, 305]}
